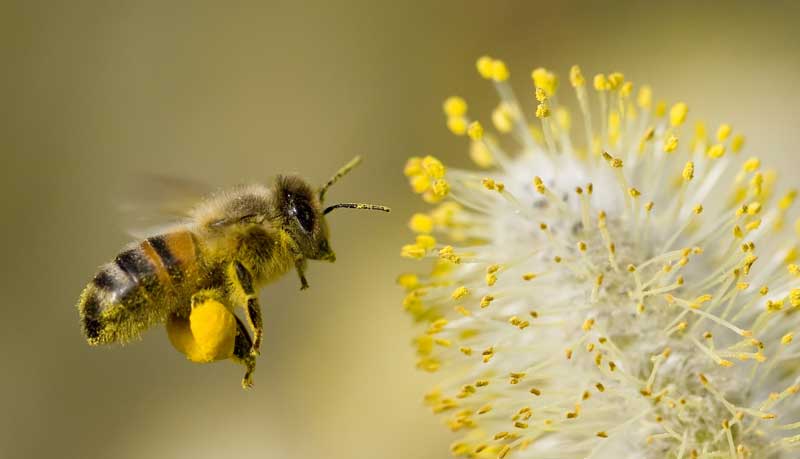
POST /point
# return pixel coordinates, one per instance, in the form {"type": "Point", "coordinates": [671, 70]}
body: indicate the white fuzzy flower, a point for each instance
{"type": "Point", "coordinates": [633, 298]}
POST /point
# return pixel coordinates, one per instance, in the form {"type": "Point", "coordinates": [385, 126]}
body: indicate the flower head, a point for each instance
{"type": "Point", "coordinates": [622, 285]}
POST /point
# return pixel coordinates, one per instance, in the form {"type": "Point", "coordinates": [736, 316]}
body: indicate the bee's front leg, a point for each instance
{"type": "Point", "coordinates": [242, 288]}
{"type": "Point", "coordinates": [300, 266]}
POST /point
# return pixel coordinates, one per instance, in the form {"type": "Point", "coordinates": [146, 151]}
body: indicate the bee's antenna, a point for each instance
{"type": "Point", "coordinates": [356, 205]}
{"type": "Point", "coordinates": [339, 174]}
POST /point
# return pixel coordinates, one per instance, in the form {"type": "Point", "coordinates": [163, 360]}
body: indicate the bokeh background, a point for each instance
{"type": "Point", "coordinates": [97, 93]}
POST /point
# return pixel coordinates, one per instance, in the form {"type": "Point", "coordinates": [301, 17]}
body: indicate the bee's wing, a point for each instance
{"type": "Point", "coordinates": [154, 203]}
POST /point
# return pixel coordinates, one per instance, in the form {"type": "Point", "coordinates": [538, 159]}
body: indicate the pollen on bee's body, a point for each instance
{"type": "Point", "coordinates": [605, 280]}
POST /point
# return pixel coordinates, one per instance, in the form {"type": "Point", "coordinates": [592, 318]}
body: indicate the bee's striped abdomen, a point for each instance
{"type": "Point", "coordinates": [138, 288]}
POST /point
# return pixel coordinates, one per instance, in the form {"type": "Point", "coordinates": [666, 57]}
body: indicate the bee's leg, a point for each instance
{"type": "Point", "coordinates": [300, 266]}
{"type": "Point", "coordinates": [241, 354]}
{"type": "Point", "coordinates": [243, 283]}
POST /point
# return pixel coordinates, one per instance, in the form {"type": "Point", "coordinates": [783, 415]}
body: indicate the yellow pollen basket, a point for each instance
{"type": "Point", "coordinates": [207, 336]}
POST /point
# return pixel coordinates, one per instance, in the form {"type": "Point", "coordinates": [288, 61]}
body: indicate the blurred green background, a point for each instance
{"type": "Point", "coordinates": [95, 93]}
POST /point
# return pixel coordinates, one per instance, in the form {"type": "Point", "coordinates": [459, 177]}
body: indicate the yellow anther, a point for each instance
{"type": "Point", "coordinates": [703, 299]}
{"type": "Point", "coordinates": [670, 144]}
{"type": "Point", "coordinates": [486, 301]}
{"type": "Point", "coordinates": [420, 183]}
{"type": "Point", "coordinates": [441, 188]}
{"type": "Point", "coordinates": [615, 80]}
{"type": "Point", "coordinates": [612, 161]}
{"type": "Point", "coordinates": [587, 324]}
{"type": "Point", "coordinates": [644, 99]}
{"type": "Point", "coordinates": [751, 165]}
{"type": "Point", "coordinates": [576, 76]}
{"type": "Point", "coordinates": [688, 171]}
{"type": "Point", "coordinates": [634, 193]}
{"type": "Point", "coordinates": [502, 118]}
{"type": "Point", "coordinates": [648, 134]}
{"type": "Point", "coordinates": [626, 89]}
{"type": "Point", "coordinates": [794, 297]}
{"type": "Point", "coordinates": [793, 269]}
{"type": "Point", "coordinates": [601, 83]}
{"type": "Point", "coordinates": [537, 182]}
{"type": "Point", "coordinates": [723, 132]}
{"type": "Point", "coordinates": [499, 70]}
{"type": "Point", "coordinates": [433, 167]}
{"type": "Point", "coordinates": [480, 154]}
{"type": "Point", "coordinates": [457, 125]}
{"type": "Point", "coordinates": [413, 166]}
{"type": "Point", "coordinates": [454, 106]}
{"type": "Point", "coordinates": [661, 109]}
{"type": "Point", "coordinates": [737, 232]}
{"type": "Point", "coordinates": [443, 342]}
{"type": "Point", "coordinates": [753, 225]}
{"type": "Point", "coordinates": [649, 206]}
{"type": "Point", "coordinates": [737, 143]}
{"type": "Point", "coordinates": [485, 66]}
{"type": "Point", "coordinates": [753, 208]}
{"type": "Point", "coordinates": [459, 293]}
{"type": "Point", "coordinates": [698, 209]}
{"type": "Point", "coordinates": [408, 281]}
{"type": "Point", "coordinates": [412, 251]}
{"type": "Point", "coordinates": [542, 111]}
{"type": "Point", "coordinates": [716, 151]}
{"type": "Point", "coordinates": [677, 114]}
{"type": "Point", "coordinates": [545, 80]}
{"type": "Point", "coordinates": [493, 268]}
{"type": "Point", "coordinates": [491, 279]}
{"type": "Point", "coordinates": [787, 338]}
{"type": "Point", "coordinates": [484, 409]}
{"type": "Point", "coordinates": [787, 200]}
{"type": "Point", "coordinates": [582, 246]}
{"type": "Point", "coordinates": [528, 276]}
{"type": "Point", "coordinates": [540, 94]}
{"type": "Point", "coordinates": [563, 119]}
{"type": "Point", "coordinates": [421, 223]}
{"type": "Point", "coordinates": [488, 183]}
{"type": "Point", "coordinates": [426, 241]}
{"type": "Point", "coordinates": [475, 131]}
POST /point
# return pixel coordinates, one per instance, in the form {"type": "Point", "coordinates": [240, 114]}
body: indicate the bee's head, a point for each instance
{"type": "Point", "coordinates": [303, 216]}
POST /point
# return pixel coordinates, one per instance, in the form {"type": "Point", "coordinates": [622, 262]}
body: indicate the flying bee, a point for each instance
{"type": "Point", "coordinates": [194, 275]}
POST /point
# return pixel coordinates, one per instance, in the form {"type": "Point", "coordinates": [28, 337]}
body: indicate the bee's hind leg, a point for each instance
{"type": "Point", "coordinates": [242, 354]}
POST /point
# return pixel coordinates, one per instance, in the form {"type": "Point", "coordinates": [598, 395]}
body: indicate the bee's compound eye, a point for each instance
{"type": "Point", "coordinates": [305, 215]}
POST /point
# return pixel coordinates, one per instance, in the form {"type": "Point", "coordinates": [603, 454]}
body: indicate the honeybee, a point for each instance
{"type": "Point", "coordinates": [193, 275]}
